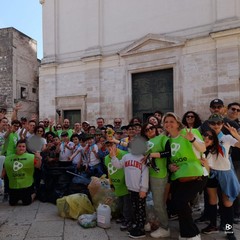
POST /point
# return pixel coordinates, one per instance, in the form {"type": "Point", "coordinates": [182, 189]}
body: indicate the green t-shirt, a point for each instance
{"type": "Point", "coordinates": [9, 147]}
{"type": "Point", "coordinates": [185, 156]}
{"type": "Point", "coordinates": [20, 170]}
{"type": "Point", "coordinates": [117, 176]}
{"type": "Point", "coordinates": [157, 144]}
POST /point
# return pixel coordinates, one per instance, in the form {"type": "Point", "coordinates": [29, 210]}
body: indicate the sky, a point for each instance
{"type": "Point", "coordinates": [25, 16]}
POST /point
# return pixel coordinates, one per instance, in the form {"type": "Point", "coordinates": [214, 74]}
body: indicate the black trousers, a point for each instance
{"type": "Point", "coordinates": [182, 194]}
{"type": "Point", "coordinates": [23, 194]}
{"type": "Point", "coordinates": [139, 209]}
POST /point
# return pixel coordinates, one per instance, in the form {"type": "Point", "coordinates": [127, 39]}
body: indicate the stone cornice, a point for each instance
{"type": "Point", "coordinates": [226, 33]}
{"type": "Point", "coordinates": [151, 42]}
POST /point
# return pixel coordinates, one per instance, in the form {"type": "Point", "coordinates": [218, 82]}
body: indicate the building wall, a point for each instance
{"type": "Point", "coordinates": [91, 48]}
{"type": "Point", "coordinates": [19, 69]}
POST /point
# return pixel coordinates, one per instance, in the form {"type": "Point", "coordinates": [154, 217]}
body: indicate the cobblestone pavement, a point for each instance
{"type": "Point", "coordinates": [40, 221]}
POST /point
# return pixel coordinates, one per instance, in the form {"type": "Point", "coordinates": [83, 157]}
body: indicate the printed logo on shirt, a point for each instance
{"type": "Point", "coordinates": [150, 145]}
{"type": "Point", "coordinates": [111, 168]}
{"type": "Point", "coordinates": [17, 166]}
{"type": "Point", "coordinates": [133, 163]}
{"type": "Point", "coordinates": [174, 148]}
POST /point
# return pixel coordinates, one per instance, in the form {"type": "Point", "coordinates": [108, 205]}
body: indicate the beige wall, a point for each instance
{"type": "Point", "coordinates": [91, 48]}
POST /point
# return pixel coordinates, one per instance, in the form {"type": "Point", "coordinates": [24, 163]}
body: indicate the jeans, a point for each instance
{"type": "Point", "coordinates": [157, 187]}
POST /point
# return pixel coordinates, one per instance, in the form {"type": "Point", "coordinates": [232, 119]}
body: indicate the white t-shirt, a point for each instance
{"type": "Point", "coordinates": [92, 160]}
{"type": "Point", "coordinates": [76, 159]}
{"type": "Point", "coordinates": [65, 153]}
{"type": "Point", "coordinates": [219, 162]}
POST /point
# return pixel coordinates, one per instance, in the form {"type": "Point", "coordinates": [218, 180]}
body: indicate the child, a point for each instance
{"type": "Point", "coordinates": [137, 178]}
{"type": "Point", "coordinates": [117, 179]}
{"type": "Point", "coordinates": [75, 157]}
{"type": "Point", "coordinates": [65, 149]}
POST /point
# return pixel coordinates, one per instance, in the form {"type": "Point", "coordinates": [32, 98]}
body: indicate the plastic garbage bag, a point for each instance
{"type": "Point", "coordinates": [74, 205]}
{"type": "Point", "coordinates": [88, 220]}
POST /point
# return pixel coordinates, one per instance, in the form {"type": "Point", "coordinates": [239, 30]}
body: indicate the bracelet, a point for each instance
{"type": "Point", "coordinates": [194, 139]}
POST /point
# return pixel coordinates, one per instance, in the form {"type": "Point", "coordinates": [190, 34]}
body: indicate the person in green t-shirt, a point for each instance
{"type": "Point", "coordinates": [158, 150]}
{"type": "Point", "coordinates": [19, 168]}
{"type": "Point", "coordinates": [117, 179]}
{"type": "Point", "coordinates": [187, 177]}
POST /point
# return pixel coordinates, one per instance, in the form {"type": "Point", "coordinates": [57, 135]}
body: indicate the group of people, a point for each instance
{"type": "Point", "coordinates": [175, 159]}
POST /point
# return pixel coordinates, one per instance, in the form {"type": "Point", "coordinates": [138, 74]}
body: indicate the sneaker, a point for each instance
{"type": "Point", "coordinates": [119, 220]}
{"type": "Point", "coordinates": [210, 229]}
{"type": "Point", "coordinates": [181, 238]}
{"type": "Point", "coordinates": [197, 237]}
{"type": "Point", "coordinates": [137, 233]}
{"type": "Point", "coordinates": [125, 226]}
{"type": "Point", "coordinates": [147, 227]}
{"type": "Point", "coordinates": [172, 217]}
{"type": "Point", "coordinates": [231, 236]}
{"type": "Point", "coordinates": [202, 219]}
{"type": "Point", "coordinates": [160, 232]}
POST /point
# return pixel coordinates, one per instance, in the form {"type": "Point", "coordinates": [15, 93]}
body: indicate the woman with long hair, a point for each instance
{"type": "Point", "coordinates": [221, 174]}
{"type": "Point", "coordinates": [191, 119]}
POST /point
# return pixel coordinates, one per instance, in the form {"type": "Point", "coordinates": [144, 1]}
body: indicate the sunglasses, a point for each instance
{"type": "Point", "coordinates": [150, 128]}
{"type": "Point", "coordinates": [210, 137]}
{"type": "Point", "coordinates": [46, 121]}
{"type": "Point", "coordinates": [216, 123]}
{"type": "Point", "coordinates": [216, 107]}
{"type": "Point", "coordinates": [117, 122]}
{"type": "Point", "coordinates": [235, 109]}
{"type": "Point", "coordinates": [190, 116]}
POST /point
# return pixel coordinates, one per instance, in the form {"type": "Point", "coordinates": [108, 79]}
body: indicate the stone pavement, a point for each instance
{"type": "Point", "coordinates": [40, 221]}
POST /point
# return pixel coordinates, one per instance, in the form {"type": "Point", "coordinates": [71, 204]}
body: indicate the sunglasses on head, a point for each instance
{"type": "Point", "coordinates": [150, 128]}
{"type": "Point", "coordinates": [235, 109]}
{"type": "Point", "coordinates": [216, 123]}
{"type": "Point", "coordinates": [217, 107]}
{"type": "Point", "coordinates": [210, 137]}
{"type": "Point", "coordinates": [190, 116]}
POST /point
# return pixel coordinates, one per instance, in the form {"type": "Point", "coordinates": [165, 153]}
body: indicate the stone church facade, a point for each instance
{"type": "Point", "coordinates": [131, 57]}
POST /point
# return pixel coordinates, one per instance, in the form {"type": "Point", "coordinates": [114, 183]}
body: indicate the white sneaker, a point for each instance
{"type": "Point", "coordinates": [147, 227]}
{"type": "Point", "coordinates": [160, 232]}
{"type": "Point", "coordinates": [197, 237]}
{"type": "Point", "coordinates": [181, 238]}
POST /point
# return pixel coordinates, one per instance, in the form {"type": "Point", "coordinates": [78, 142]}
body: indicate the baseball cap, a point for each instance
{"type": "Point", "coordinates": [215, 118]}
{"type": "Point", "coordinates": [216, 101]}
{"type": "Point", "coordinates": [86, 122]}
